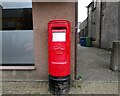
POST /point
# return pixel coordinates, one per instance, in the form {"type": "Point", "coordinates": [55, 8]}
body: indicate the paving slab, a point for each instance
{"type": "Point", "coordinates": [77, 87]}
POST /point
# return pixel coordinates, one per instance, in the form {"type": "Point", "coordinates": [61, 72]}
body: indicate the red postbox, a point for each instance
{"type": "Point", "coordinates": [59, 55]}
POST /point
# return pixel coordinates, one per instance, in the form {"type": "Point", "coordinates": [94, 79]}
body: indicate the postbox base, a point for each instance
{"type": "Point", "coordinates": [59, 85]}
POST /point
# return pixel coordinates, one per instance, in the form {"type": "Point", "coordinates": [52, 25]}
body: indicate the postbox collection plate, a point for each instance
{"type": "Point", "coordinates": [59, 37]}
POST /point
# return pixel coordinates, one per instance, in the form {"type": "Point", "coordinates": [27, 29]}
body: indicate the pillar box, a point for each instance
{"type": "Point", "coordinates": [59, 56]}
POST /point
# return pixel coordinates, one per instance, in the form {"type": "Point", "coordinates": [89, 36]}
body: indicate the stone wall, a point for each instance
{"type": "Point", "coordinates": [89, 22]}
{"type": "Point", "coordinates": [94, 23]}
{"type": "Point", "coordinates": [119, 21]}
{"type": "Point", "coordinates": [83, 29]}
{"type": "Point", "coordinates": [103, 24]}
{"type": "Point", "coordinates": [109, 26]}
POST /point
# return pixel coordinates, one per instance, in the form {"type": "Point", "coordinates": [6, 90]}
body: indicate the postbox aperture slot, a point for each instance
{"type": "Point", "coordinates": [59, 28]}
{"type": "Point", "coordinates": [59, 35]}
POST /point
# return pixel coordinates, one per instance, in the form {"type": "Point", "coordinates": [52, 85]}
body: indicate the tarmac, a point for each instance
{"type": "Point", "coordinates": [93, 70]}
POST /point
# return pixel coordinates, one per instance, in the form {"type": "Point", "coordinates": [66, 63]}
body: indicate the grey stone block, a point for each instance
{"type": "Point", "coordinates": [115, 56]}
{"type": "Point", "coordinates": [119, 57]}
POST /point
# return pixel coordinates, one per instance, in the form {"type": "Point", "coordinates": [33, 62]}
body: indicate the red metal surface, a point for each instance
{"type": "Point", "coordinates": [59, 51]}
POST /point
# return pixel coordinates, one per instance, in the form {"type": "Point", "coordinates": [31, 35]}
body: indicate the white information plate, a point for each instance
{"type": "Point", "coordinates": [59, 36]}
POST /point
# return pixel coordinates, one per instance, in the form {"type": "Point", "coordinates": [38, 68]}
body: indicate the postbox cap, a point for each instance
{"type": "Point", "coordinates": [59, 21]}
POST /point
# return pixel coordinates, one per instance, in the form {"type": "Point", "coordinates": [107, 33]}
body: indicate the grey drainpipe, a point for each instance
{"type": "Point", "coordinates": [76, 23]}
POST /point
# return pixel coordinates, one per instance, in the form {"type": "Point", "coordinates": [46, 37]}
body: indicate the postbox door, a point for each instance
{"type": "Point", "coordinates": [59, 59]}
{"type": "Point", "coordinates": [58, 47]}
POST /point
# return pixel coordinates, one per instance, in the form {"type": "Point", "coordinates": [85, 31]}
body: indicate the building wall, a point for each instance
{"type": "Point", "coordinates": [89, 23]}
{"type": "Point", "coordinates": [83, 24]}
{"type": "Point", "coordinates": [83, 29]}
{"type": "Point", "coordinates": [103, 24]}
{"type": "Point", "coordinates": [118, 20]}
{"type": "Point", "coordinates": [42, 14]}
{"type": "Point", "coordinates": [94, 23]}
{"type": "Point", "coordinates": [109, 26]}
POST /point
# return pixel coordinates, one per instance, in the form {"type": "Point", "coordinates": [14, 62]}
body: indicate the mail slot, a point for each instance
{"type": "Point", "coordinates": [59, 56]}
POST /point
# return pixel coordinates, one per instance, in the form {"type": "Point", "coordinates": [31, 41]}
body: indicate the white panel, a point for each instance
{"type": "Point", "coordinates": [59, 37]}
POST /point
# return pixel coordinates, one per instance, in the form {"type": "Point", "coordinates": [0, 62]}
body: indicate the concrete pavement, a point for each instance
{"type": "Point", "coordinates": [93, 68]}
{"type": "Point", "coordinates": [93, 64]}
